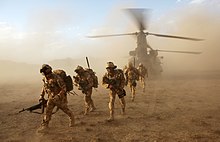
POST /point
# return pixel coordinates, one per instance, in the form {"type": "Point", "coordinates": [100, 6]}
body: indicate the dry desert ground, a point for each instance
{"type": "Point", "coordinates": [180, 107]}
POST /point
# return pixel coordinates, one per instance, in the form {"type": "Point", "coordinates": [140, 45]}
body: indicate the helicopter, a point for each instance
{"type": "Point", "coordinates": [144, 53]}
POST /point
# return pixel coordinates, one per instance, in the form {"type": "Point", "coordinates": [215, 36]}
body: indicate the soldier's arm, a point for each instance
{"type": "Point", "coordinates": [62, 85]}
{"type": "Point", "coordinates": [126, 77]}
{"type": "Point", "coordinates": [104, 81]}
{"type": "Point", "coordinates": [90, 81]}
{"type": "Point", "coordinates": [42, 94]}
{"type": "Point", "coordinates": [76, 79]}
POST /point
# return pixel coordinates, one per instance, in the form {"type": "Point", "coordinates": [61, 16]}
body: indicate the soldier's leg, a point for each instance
{"type": "Point", "coordinates": [47, 115]}
{"type": "Point", "coordinates": [92, 106]}
{"type": "Point", "coordinates": [122, 102]}
{"type": "Point", "coordinates": [130, 85]}
{"type": "Point", "coordinates": [112, 95]}
{"type": "Point", "coordinates": [87, 100]}
{"type": "Point", "coordinates": [91, 103]}
{"type": "Point", "coordinates": [133, 92]}
{"type": "Point", "coordinates": [63, 106]}
{"type": "Point", "coordinates": [143, 84]}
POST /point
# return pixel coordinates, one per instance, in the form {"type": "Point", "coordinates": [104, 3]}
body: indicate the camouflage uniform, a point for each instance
{"type": "Point", "coordinates": [143, 72]}
{"type": "Point", "coordinates": [125, 68]}
{"type": "Point", "coordinates": [85, 82]}
{"type": "Point", "coordinates": [55, 87]}
{"type": "Point", "coordinates": [115, 81]}
{"type": "Point", "coordinates": [132, 75]}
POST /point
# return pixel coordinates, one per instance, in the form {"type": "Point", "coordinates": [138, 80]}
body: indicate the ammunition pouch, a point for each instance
{"type": "Point", "coordinates": [121, 93]}
{"type": "Point", "coordinates": [134, 83]}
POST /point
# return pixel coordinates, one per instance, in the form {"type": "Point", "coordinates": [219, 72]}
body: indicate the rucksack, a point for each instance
{"type": "Point", "coordinates": [94, 77]}
{"type": "Point", "coordinates": [67, 79]}
{"type": "Point", "coordinates": [121, 72]}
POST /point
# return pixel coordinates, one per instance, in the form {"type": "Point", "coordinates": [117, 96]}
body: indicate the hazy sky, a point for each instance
{"type": "Point", "coordinates": [36, 31]}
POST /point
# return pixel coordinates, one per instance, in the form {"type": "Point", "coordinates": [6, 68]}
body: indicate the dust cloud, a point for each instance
{"type": "Point", "coordinates": [45, 43]}
{"type": "Point", "coordinates": [197, 20]}
{"type": "Point", "coordinates": [194, 20]}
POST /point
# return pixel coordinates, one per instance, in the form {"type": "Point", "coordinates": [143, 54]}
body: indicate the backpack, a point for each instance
{"type": "Point", "coordinates": [94, 77]}
{"type": "Point", "coordinates": [121, 72]}
{"type": "Point", "coordinates": [67, 79]}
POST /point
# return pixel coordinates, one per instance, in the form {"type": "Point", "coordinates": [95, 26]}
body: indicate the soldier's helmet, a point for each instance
{"type": "Point", "coordinates": [140, 65]}
{"type": "Point", "coordinates": [110, 65]}
{"type": "Point", "coordinates": [79, 69]}
{"type": "Point", "coordinates": [45, 67]}
{"type": "Point", "coordinates": [130, 64]}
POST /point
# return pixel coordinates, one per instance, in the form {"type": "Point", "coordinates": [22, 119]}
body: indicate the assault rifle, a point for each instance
{"type": "Point", "coordinates": [110, 81]}
{"type": "Point", "coordinates": [121, 92]}
{"type": "Point", "coordinates": [41, 105]}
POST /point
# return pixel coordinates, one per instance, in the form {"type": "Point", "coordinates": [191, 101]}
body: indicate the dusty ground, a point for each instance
{"type": "Point", "coordinates": [181, 107]}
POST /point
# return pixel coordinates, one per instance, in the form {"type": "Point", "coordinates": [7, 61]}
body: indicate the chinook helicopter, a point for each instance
{"type": "Point", "coordinates": [144, 53]}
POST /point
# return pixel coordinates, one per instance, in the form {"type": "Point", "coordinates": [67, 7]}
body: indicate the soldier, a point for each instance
{"type": "Point", "coordinates": [55, 88]}
{"type": "Point", "coordinates": [85, 82]}
{"type": "Point", "coordinates": [143, 72]}
{"type": "Point", "coordinates": [132, 75]}
{"type": "Point", "coordinates": [125, 68]}
{"type": "Point", "coordinates": [115, 81]}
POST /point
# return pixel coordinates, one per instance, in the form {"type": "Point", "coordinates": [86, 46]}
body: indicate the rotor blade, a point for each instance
{"type": "Point", "coordinates": [172, 36]}
{"type": "Point", "coordinates": [98, 36]}
{"type": "Point", "coordinates": [139, 16]}
{"type": "Point", "coordinates": [187, 52]}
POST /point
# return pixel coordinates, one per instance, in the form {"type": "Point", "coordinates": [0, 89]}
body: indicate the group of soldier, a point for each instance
{"type": "Point", "coordinates": [114, 79]}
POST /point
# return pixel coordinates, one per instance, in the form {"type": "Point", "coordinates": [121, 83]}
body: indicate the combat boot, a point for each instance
{"type": "Point", "coordinates": [92, 107]}
{"type": "Point", "coordinates": [86, 110]}
{"type": "Point", "coordinates": [111, 117]}
{"type": "Point", "coordinates": [42, 129]}
{"type": "Point", "coordinates": [72, 122]}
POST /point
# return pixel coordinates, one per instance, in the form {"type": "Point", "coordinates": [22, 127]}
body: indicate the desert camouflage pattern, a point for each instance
{"type": "Point", "coordinates": [142, 74]}
{"type": "Point", "coordinates": [85, 83]}
{"type": "Point", "coordinates": [132, 75]}
{"type": "Point", "coordinates": [55, 88]}
{"type": "Point", "coordinates": [116, 88]}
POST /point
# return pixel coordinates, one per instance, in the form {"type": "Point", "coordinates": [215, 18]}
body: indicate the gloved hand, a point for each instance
{"type": "Point", "coordinates": [110, 86]}
{"type": "Point", "coordinates": [41, 98]}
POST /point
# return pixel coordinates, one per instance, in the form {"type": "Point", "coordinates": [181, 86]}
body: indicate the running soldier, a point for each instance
{"type": "Point", "coordinates": [132, 75]}
{"type": "Point", "coordinates": [55, 88]}
{"type": "Point", "coordinates": [85, 83]}
{"type": "Point", "coordinates": [115, 81]}
{"type": "Point", "coordinates": [143, 72]}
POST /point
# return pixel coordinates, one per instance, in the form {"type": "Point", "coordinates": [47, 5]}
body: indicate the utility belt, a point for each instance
{"type": "Point", "coordinates": [121, 93]}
